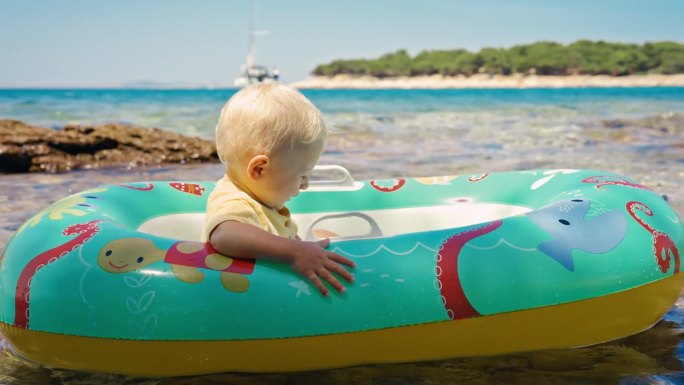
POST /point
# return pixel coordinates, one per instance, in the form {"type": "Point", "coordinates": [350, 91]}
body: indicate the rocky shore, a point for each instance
{"type": "Point", "coordinates": [26, 148]}
{"type": "Point", "coordinates": [489, 81]}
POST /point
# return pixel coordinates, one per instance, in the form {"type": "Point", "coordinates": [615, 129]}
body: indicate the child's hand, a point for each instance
{"type": "Point", "coordinates": [310, 259]}
{"type": "Point", "coordinates": [314, 262]}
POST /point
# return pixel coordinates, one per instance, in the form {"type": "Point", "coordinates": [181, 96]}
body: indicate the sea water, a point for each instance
{"type": "Point", "coordinates": [638, 132]}
{"type": "Point", "coordinates": [194, 112]}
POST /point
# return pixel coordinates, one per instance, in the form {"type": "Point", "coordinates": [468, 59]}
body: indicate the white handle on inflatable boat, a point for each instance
{"type": "Point", "coordinates": [345, 181]}
{"type": "Point", "coordinates": [374, 231]}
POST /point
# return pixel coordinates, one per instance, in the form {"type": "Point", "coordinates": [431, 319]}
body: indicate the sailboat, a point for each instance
{"type": "Point", "coordinates": [251, 71]}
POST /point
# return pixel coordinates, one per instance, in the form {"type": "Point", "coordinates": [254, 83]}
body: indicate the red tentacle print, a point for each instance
{"type": "Point", "coordinates": [85, 231]}
{"type": "Point", "coordinates": [398, 183]}
{"type": "Point", "coordinates": [601, 181]}
{"type": "Point", "coordinates": [634, 205]}
{"type": "Point", "coordinates": [456, 303]}
{"type": "Point", "coordinates": [664, 248]}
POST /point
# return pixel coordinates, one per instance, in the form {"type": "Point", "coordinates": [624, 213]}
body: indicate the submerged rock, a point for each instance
{"type": "Point", "coordinates": [670, 123]}
{"type": "Point", "coordinates": [27, 148]}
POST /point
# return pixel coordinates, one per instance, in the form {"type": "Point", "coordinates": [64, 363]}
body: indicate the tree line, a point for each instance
{"type": "Point", "coordinates": [541, 58]}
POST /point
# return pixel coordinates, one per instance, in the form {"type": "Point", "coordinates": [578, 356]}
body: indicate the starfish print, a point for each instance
{"type": "Point", "coordinates": [302, 288]}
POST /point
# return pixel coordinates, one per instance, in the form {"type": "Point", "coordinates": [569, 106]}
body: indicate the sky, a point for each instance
{"type": "Point", "coordinates": [203, 43]}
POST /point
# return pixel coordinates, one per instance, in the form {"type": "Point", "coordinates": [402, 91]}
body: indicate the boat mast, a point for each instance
{"type": "Point", "coordinates": [251, 34]}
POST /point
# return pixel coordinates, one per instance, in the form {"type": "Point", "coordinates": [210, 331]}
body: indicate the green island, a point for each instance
{"type": "Point", "coordinates": [583, 57]}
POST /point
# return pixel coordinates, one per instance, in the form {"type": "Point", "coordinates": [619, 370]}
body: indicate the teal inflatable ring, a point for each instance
{"type": "Point", "coordinates": [115, 278]}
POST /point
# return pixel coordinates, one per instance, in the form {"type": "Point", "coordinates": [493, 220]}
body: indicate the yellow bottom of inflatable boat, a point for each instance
{"type": "Point", "coordinates": [561, 326]}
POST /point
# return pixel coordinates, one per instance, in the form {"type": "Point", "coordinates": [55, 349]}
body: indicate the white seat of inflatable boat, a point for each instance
{"type": "Point", "coordinates": [355, 225]}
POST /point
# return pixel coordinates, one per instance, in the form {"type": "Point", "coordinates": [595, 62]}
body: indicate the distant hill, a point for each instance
{"type": "Point", "coordinates": [583, 57]}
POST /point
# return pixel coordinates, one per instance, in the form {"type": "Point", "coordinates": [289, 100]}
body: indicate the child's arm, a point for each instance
{"type": "Point", "coordinates": [310, 259]}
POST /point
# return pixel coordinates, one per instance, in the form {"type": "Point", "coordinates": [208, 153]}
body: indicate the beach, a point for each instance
{"type": "Point", "coordinates": [488, 81]}
{"type": "Point", "coordinates": [389, 132]}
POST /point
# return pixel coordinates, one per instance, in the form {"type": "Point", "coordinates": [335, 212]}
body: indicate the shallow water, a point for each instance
{"type": "Point", "coordinates": [638, 134]}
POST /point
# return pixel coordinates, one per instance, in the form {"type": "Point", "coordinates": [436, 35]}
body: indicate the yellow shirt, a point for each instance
{"type": "Point", "coordinates": [228, 203]}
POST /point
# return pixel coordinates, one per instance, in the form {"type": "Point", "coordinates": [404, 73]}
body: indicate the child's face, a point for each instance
{"type": "Point", "coordinates": [288, 174]}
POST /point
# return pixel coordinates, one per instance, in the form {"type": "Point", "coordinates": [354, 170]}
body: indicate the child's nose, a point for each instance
{"type": "Point", "coordinates": [304, 184]}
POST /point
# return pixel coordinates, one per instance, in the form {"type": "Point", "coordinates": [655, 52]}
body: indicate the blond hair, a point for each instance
{"type": "Point", "coordinates": [264, 119]}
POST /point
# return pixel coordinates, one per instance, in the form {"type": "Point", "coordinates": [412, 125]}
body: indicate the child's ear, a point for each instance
{"type": "Point", "coordinates": [257, 166]}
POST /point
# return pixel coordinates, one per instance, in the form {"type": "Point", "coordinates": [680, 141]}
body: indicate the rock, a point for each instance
{"type": "Point", "coordinates": [670, 123]}
{"type": "Point", "coordinates": [27, 148]}
{"type": "Point", "coordinates": [614, 123]}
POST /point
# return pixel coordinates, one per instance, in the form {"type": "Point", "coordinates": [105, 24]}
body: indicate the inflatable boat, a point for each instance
{"type": "Point", "coordinates": [115, 279]}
